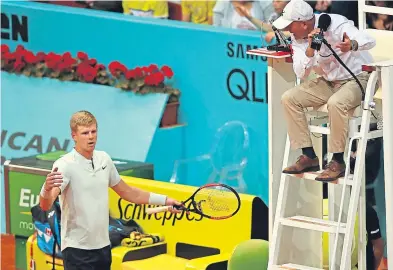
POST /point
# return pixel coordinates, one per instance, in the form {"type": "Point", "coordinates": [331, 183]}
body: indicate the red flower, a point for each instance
{"type": "Point", "coordinates": [138, 72]}
{"type": "Point", "coordinates": [51, 64]}
{"type": "Point", "coordinates": [146, 71]}
{"type": "Point", "coordinates": [92, 61]}
{"type": "Point", "coordinates": [86, 72]}
{"type": "Point", "coordinates": [30, 57]}
{"type": "Point", "coordinates": [153, 68]}
{"type": "Point", "coordinates": [53, 60]}
{"type": "Point", "coordinates": [90, 74]}
{"type": "Point", "coordinates": [20, 48]}
{"type": "Point", "coordinates": [82, 56]}
{"type": "Point", "coordinates": [115, 67]}
{"type": "Point", "coordinates": [130, 74]}
{"type": "Point", "coordinates": [4, 49]}
{"type": "Point", "coordinates": [9, 56]}
{"type": "Point", "coordinates": [167, 71]}
{"type": "Point", "coordinates": [81, 68]}
{"type": "Point", "coordinates": [149, 80]}
{"type": "Point", "coordinates": [18, 65]}
{"type": "Point", "coordinates": [53, 57]}
{"type": "Point", "coordinates": [99, 67]}
{"type": "Point", "coordinates": [69, 61]}
{"type": "Point", "coordinates": [159, 78]}
{"type": "Point", "coordinates": [64, 66]}
{"type": "Point", "coordinates": [40, 56]}
{"type": "Point", "coordinates": [154, 79]}
{"type": "Point", "coordinates": [67, 55]}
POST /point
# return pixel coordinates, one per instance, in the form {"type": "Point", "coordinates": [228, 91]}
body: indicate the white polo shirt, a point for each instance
{"type": "Point", "coordinates": [84, 199]}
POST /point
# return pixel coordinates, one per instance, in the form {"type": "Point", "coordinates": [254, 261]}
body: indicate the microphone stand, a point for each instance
{"type": "Point", "coordinates": [281, 45]}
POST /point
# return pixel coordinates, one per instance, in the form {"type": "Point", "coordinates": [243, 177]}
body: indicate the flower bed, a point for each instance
{"type": "Point", "coordinates": [140, 80]}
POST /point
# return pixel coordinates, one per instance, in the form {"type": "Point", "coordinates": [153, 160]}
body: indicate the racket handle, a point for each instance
{"type": "Point", "coordinates": [157, 209]}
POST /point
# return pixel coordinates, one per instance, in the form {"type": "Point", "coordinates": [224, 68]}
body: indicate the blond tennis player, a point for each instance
{"type": "Point", "coordinates": [81, 179]}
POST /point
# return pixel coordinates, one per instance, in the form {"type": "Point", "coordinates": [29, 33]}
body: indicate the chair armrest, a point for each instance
{"type": "Point", "coordinates": [122, 254]}
{"type": "Point", "coordinates": [204, 262]}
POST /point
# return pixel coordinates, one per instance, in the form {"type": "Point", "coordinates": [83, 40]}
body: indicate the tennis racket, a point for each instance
{"type": "Point", "coordinates": [213, 201]}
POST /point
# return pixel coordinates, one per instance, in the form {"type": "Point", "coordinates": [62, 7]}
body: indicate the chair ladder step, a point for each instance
{"type": "Point", "coordinates": [325, 130]}
{"type": "Point", "coordinates": [313, 175]}
{"type": "Point", "coordinates": [314, 224]}
{"type": "Point", "coordinates": [291, 266]}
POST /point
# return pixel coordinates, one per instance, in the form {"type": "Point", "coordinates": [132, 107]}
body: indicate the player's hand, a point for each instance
{"type": "Point", "coordinates": [53, 179]}
{"type": "Point", "coordinates": [345, 45]}
{"type": "Point", "coordinates": [171, 202]}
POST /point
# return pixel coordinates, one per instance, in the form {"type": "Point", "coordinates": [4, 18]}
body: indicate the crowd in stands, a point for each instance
{"type": "Point", "coordinates": [249, 15]}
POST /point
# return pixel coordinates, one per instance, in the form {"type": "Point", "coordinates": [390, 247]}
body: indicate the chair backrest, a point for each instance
{"type": "Point", "coordinates": [383, 49]}
{"type": "Point", "coordinates": [231, 145]}
{"type": "Point", "coordinates": [193, 231]}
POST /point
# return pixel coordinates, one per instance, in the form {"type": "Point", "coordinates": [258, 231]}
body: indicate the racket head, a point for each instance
{"type": "Point", "coordinates": [216, 201]}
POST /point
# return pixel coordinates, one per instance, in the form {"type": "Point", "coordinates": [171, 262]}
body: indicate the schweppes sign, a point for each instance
{"type": "Point", "coordinates": [137, 212]}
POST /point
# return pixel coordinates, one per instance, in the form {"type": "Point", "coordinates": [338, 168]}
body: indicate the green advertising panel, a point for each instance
{"type": "Point", "coordinates": [24, 190]}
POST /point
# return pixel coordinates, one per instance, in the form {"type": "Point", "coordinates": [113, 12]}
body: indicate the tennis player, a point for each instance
{"type": "Point", "coordinates": [82, 178]}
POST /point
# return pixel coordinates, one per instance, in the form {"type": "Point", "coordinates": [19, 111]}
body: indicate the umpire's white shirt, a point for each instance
{"type": "Point", "coordinates": [84, 199]}
{"type": "Point", "coordinates": [324, 63]}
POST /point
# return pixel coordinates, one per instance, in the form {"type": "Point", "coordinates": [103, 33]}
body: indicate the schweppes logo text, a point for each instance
{"type": "Point", "coordinates": [138, 212]}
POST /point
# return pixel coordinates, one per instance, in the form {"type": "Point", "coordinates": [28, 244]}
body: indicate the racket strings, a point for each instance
{"type": "Point", "coordinates": [216, 201]}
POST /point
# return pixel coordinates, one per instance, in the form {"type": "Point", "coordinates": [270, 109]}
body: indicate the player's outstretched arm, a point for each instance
{"type": "Point", "coordinates": [139, 196]}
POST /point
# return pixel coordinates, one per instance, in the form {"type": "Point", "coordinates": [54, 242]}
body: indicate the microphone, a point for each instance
{"type": "Point", "coordinates": [92, 163]}
{"type": "Point", "coordinates": [323, 24]}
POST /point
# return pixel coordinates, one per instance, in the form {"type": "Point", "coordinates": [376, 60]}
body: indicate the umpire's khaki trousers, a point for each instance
{"type": "Point", "coordinates": [342, 97]}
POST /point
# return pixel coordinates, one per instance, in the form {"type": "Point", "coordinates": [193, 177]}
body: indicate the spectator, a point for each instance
{"type": "Point", "coordinates": [380, 21]}
{"type": "Point", "coordinates": [320, 6]}
{"type": "Point", "coordinates": [279, 6]}
{"type": "Point", "coordinates": [231, 14]}
{"type": "Point", "coordinates": [197, 11]}
{"type": "Point", "coordinates": [146, 8]}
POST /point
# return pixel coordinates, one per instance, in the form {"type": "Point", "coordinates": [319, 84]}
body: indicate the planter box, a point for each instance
{"type": "Point", "coordinates": [169, 118]}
